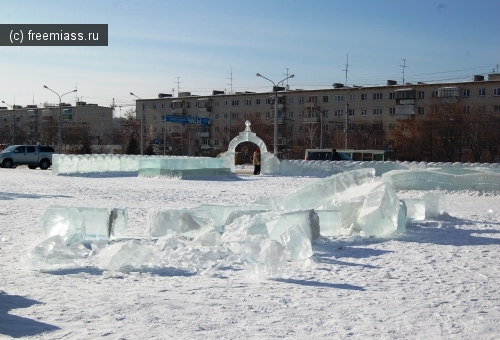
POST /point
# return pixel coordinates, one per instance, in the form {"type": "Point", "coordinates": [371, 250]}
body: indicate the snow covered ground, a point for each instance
{"type": "Point", "coordinates": [440, 280]}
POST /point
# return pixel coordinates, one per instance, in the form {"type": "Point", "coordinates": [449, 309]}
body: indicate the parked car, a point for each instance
{"type": "Point", "coordinates": [325, 156]}
{"type": "Point", "coordinates": [33, 156]}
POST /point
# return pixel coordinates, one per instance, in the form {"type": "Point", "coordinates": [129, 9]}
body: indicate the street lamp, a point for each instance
{"type": "Point", "coordinates": [347, 116]}
{"type": "Point", "coordinates": [59, 134]}
{"type": "Point", "coordinates": [142, 124]}
{"type": "Point", "coordinates": [275, 110]}
{"type": "Point", "coordinates": [13, 123]}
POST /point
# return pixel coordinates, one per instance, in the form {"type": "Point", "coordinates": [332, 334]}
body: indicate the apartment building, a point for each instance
{"type": "Point", "coordinates": [306, 118]}
{"type": "Point", "coordinates": [33, 124]}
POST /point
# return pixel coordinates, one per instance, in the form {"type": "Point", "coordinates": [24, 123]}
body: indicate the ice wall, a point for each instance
{"type": "Point", "coordinates": [445, 178]}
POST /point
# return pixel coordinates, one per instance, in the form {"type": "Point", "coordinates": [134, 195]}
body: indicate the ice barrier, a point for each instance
{"type": "Point", "coordinates": [83, 224]}
{"type": "Point", "coordinates": [183, 167]}
{"type": "Point", "coordinates": [445, 178]}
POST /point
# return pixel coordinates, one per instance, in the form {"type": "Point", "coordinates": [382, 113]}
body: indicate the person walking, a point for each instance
{"type": "Point", "coordinates": [256, 162]}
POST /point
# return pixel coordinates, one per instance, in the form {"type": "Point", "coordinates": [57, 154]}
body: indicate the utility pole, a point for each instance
{"type": "Point", "coordinates": [231, 78]}
{"type": "Point", "coordinates": [403, 66]}
{"type": "Point", "coordinates": [178, 82]}
{"type": "Point", "coordinates": [346, 69]}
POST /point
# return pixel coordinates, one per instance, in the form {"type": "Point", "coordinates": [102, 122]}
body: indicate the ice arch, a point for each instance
{"type": "Point", "coordinates": [247, 136]}
{"type": "Point", "coordinates": [270, 163]}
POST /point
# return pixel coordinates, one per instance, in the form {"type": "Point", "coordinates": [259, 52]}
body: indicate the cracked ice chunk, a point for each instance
{"type": "Point", "coordinates": [379, 214]}
{"type": "Point", "coordinates": [53, 253]}
{"type": "Point", "coordinates": [187, 222]}
{"type": "Point", "coordinates": [297, 243]}
{"type": "Point", "coordinates": [402, 217]}
{"type": "Point", "coordinates": [126, 256]}
{"type": "Point", "coordinates": [117, 222]}
{"type": "Point", "coordinates": [325, 190]}
{"type": "Point", "coordinates": [208, 236]}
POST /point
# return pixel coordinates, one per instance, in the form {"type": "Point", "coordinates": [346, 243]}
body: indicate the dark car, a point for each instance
{"type": "Point", "coordinates": [325, 156]}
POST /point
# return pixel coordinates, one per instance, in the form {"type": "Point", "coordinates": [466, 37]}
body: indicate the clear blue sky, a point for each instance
{"type": "Point", "coordinates": [151, 43]}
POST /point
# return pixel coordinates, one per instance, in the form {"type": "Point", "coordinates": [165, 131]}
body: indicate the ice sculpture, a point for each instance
{"type": "Point", "coordinates": [434, 204]}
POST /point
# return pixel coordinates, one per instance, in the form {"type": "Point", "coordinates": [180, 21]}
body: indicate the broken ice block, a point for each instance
{"type": "Point", "coordinates": [325, 190]}
{"type": "Point", "coordinates": [81, 224]}
{"type": "Point", "coordinates": [379, 214]}
{"type": "Point", "coordinates": [330, 222]}
{"type": "Point", "coordinates": [434, 204]}
{"type": "Point", "coordinates": [297, 243]}
{"type": "Point", "coordinates": [278, 223]}
{"type": "Point", "coordinates": [117, 222]}
{"type": "Point", "coordinates": [126, 256]}
{"type": "Point", "coordinates": [53, 253]}
{"type": "Point", "coordinates": [415, 208]}
{"type": "Point", "coordinates": [187, 222]}
{"type": "Point", "coordinates": [402, 217]}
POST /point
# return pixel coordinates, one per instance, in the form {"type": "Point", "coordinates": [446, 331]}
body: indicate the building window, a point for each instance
{"type": "Point", "coordinates": [351, 112]}
{"type": "Point", "coordinates": [391, 126]}
{"type": "Point", "coordinates": [392, 95]}
{"type": "Point", "coordinates": [234, 115]}
{"type": "Point", "coordinates": [325, 127]}
{"type": "Point", "coordinates": [377, 112]}
{"type": "Point", "coordinates": [154, 106]}
{"type": "Point", "coordinates": [466, 93]}
{"type": "Point", "coordinates": [154, 118]}
{"type": "Point", "coordinates": [392, 111]}
{"type": "Point", "coordinates": [301, 113]}
{"type": "Point", "coordinates": [434, 94]}
{"type": "Point", "coordinates": [377, 126]}
{"type": "Point", "coordinates": [338, 126]}
{"type": "Point", "coordinates": [420, 110]}
{"type": "Point", "coordinates": [324, 113]}
{"type": "Point", "coordinates": [290, 114]}
{"type": "Point", "coordinates": [257, 101]}
{"type": "Point", "coordinates": [290, 100]}
{"type": "Point", "coordinates": [188, 105]}
{"type": "Point", "coordinates": [313, 99]}
{"type": "Point", "coordinates": [290, 128]}
{"type": "Point", "coordinates": [339, 113]}
{"type": "Point", "coordinates": [377, 96]}
{"type": "Point", "coordinates": [482, 92]}
{"type": "Point", "coordinates": [301, 100]}
{"type": "Point", "coordinates": [216, 142]}
{"type": "Point", "coordinates": [226, 115]}
{"type": "Point", "coordinates": [247, 102]}
{"type": "Point", "coordinates": [363, 112]}
{"type": "Point", "coordinates": [364, 96]}
{"type": "Point", "coordinates": [496, 92]}
{"type": "Point", "coordinates": [268, 101]}
{"type": "Point", "coordinates": [235, 102]}
{"type": "Point", "coordinates": [338, 98]}
{"type": "Point", "coordinates": [216, 116]}
{"type": "Point", "coordinates": [163, 105]}
{"type": "Point", "coordinates": [325, 99]}
{"type": "Point", "coordinates": [351, 97]}
{"type": "Point", "coordinates": [421, 94]}
{"type": "Point", "coordinates": [466, 109]}
{"type": "Point", "coordinates": [225, 102]}
{"type": "Point", "coordinates": [496, 108]}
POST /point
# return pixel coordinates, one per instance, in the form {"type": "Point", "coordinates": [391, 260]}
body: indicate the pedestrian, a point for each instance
{"type": "Point", "coordinates": [256, 162]}
{"type": "Point", "coordinates": [335, 155]}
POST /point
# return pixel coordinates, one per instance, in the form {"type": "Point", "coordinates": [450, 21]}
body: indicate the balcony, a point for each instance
{"type": "Point", "coordinates": [205, 134]}
{"type": "Point", "coordinates": [205, 147]}
{"type": "Point", "coordinates": [280, 120]}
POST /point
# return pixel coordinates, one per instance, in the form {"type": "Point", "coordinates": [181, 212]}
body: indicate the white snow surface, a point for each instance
{"type": "Point", "coordinates": [439, 280]}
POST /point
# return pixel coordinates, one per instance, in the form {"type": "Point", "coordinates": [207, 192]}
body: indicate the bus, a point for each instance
{"type": "Point", "coordinates": [357, 155]}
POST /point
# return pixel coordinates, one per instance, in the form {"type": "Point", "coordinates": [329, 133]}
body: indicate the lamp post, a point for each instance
{"type": "Point", "coordinates": [13, 141]}
{"type": "Point", "coordinates": [59, 133]}
{"type": "Point", "coordinates": [275, 110]}
{"type": "Point", "coordinates": [347, 116]}
{"type": "Point", "coordinates": [142, 124]}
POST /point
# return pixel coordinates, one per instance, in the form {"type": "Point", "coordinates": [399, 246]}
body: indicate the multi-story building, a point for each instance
{"type": "Point", "coordinates": [33, 124]}
{"type": "Point", "coordinates": [361, 117]}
